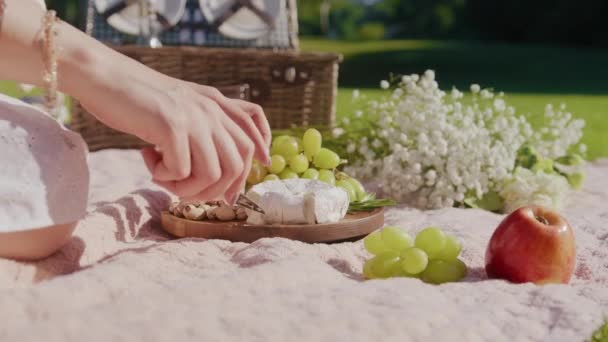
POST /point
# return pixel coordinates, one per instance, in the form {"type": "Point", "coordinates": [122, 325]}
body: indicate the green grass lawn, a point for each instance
{"type": "Point", "coordinates": [532, 76]}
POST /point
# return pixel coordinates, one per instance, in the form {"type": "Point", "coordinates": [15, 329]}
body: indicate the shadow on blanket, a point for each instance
{"type": "Point", "coordinates": [149, 230]}
{"type": "Point", "coordinates": [136, 217]}
{"type": "Point", "coordinates": [65, 261]}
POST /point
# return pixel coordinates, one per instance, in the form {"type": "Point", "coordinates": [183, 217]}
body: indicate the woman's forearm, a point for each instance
{"type": "Point", "coordinates": [84, 64]}
{"type": "Point", "coordinates": [20, 49]}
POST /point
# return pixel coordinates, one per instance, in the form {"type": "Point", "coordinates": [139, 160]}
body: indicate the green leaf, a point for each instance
{"type": "Point", "coordinates": [471, 202]}
{"type": "Point", "coordinates": [576, 180]}
{"type": "Point", "coordinates": [370, 204]}
{"type": "Point", "coordinates": [570, 160]}
{"type": "Point", "coordinates": [490, 201]}
{"type": "Point", "coordinates": [526, 157]}
{"type": "Point", "coordinates": [545, 165]}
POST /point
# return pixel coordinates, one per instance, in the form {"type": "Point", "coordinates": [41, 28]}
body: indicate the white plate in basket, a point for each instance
{"type": "Point", "coordinates": [127, 20]}
{"type": "Point", "coordinates": [244, 24]}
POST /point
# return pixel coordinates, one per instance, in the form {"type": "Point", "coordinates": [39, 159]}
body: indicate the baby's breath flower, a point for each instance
{"type": "Point", "coordinates": [356, 94]}
{"type": "Point", "coordinates": [456, 94]}
{"type": "Point", "coordinates": [433, 149]}
{"type": "Point", "coordinates": [499, 105]}
{"type": "Point", "coordinates": [384, 84]}
{"type": "Point", "coordinates": [486, 94]}
{"type": "Point", "coordinates": [527, 187]}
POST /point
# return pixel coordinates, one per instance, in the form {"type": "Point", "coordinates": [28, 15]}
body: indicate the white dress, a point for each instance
{"type": "Point", "coordinates": [44, 177]}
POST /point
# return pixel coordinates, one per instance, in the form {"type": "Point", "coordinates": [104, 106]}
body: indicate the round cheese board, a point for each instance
{"type": "Point", "coordinates": [351, 227]}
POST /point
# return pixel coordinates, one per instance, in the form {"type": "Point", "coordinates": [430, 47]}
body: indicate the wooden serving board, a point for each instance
{"type": "Point", "coordinates": [351, 227]}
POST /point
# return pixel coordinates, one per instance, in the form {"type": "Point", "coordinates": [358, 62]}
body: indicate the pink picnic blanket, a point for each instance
{"type": "Point", "coordinates": [121, 278]}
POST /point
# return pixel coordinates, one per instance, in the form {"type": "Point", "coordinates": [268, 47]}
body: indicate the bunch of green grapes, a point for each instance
{"type": "Point", "coordinates": [292, 157]}
{"type": "Point", "coordinates": [432, 256]}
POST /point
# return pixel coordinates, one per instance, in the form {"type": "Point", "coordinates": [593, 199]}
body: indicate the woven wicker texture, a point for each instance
{"type": "Point", "coordinates": [294, 88]}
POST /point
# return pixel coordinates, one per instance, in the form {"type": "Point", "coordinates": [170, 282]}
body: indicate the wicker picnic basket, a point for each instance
{"type": "Point", "coordinates": [294, 88]}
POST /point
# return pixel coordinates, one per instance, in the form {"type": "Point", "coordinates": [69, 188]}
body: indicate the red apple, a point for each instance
{"type": "Point", "coordinates": [532, 244]}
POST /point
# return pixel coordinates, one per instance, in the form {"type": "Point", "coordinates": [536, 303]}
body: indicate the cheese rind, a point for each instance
{"type": "Point", "coordinates": [297, 201]}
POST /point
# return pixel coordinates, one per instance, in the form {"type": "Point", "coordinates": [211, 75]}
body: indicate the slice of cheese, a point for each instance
{"type": "Point", "coordinates": [297, 201]}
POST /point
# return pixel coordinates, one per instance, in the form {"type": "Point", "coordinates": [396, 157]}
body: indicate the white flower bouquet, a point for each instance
{"type": "Point", "coordinates": [434, 149]}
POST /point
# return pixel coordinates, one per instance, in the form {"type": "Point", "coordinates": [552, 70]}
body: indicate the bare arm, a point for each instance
{"type": "Point", "coordinates": [207, 141]}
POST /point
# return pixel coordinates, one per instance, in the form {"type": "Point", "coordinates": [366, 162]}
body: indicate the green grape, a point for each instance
{"type": "Point", "coordinates": [373, 243]}
{"type": "Point", "coordinates": [280, 139]}
{"type": "Point", "coordinates": [312, 141]}
{"type": "Point", "coordinates": [288, 173]}
{"type": "Point", "coordinates": [300, 145]}
{"type": "Point", "coordinates": [327, 176]}
{"type": "Point", "coordinates": [441, 271]}
{"type": "Point", "coordinates": [257, 173]}
{"type": "Point", "coordinates": [359, 189]}
{"type": "Point", "coordinates": [277, 164]}
{"type": "Point", "coordinates": [298, 163]}
{"type": "Point", "coordinates": [271, 177]}
{"type": "Point", "coordinates": [326, 159]}
{"type": "Point", "coordinates": [431, 240]}
{"type": "Point", "coordinates": [385, 264]}
{"type": "Point", "coordinates": [396, 239]}
{"type": "Point", "coordinates": [367, 270]}
{"type": "Point", "coordinates": [414, 260]}
{"type": "Point", "coordinates": [394, 269]}
{"type": "Point", "coordinates": [451, 250]}
{"type": "Point", "coordinates": [352, 195]}
{"type": "Point", "coordinates": [311, 174]}
{"type": "Point", "coordinates": [287, 147]}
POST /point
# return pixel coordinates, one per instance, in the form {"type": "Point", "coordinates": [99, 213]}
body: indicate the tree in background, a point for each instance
{"type": "Point", "coordinates": [344, 19]}
{"type": "Point", "coordinates": [422, 18]}
{"type": "Point", "coordinates": [67, 10]}
{"type": "Point", "coordinates": [552, 21]}
{"type": "Point", "coordinates": [547, 21]}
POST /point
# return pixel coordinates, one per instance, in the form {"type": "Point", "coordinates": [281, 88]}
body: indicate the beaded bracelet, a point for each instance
{"type": "Point", "coordinates": [49, 53]}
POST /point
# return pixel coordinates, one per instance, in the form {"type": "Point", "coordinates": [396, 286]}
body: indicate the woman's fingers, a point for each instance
{"type": "Point", "coordinates": [248, 126]}
{"type": "Point", "coordinates": [214, 162]}
{"type": "Point", "coordinates": [151, 157]}
{"type": "Point", "coordinates": [243, 118]}
{"type": "Point", "coordinates": [232, 166]}
{"type": "Point", "coordinates": [175, 163]}
{"type": "Point", "coordinates": [246, 150]}
{"type": "Point", "coordinates": [206, 169]}
{"type": "Point", "coordinates": [259, 118]}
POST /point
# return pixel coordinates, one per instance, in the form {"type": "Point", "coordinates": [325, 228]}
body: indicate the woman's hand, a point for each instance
{"type": "Point", "coordinates": [204, 141]}
{"type": "Point", "coordinates": [213, 140]}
